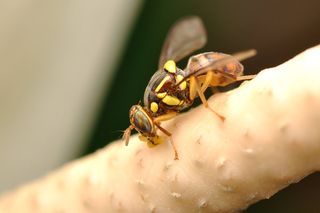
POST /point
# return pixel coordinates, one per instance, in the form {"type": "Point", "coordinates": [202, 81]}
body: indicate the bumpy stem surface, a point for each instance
{"type": "Point", "coordinates": [269, 139]}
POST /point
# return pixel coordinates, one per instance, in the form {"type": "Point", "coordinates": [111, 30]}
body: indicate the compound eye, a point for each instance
{"type": "Point", "coordinates": [170, 66]}
{"type": "Point", "coordinates": [141, 120]}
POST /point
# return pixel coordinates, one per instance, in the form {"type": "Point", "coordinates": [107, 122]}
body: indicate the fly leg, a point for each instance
{"type": "Point", "coordinates": [245, 77]}
{"type": "Point", "coordinates": [126, 135]}
{"type": "Point", "coordinates": [207, 81]}
{"type": "Point", "coordinates": [165, 117]}
{"type": "Point", "coordinates": [195, 88]}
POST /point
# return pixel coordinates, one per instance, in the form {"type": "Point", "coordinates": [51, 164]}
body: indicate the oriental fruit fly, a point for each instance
{"type": "Point", "coordinates": [171, 89]}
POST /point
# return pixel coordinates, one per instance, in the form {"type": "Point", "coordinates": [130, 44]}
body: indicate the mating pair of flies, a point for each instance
{"type": "Point", "coordinates": [172, 89]}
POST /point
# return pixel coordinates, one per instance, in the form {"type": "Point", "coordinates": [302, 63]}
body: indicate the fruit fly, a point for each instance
{"type": "Point", "coordinates": [171, 89]}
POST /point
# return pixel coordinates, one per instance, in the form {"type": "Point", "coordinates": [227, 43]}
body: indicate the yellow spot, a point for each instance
{"type": "Point", "coordinates": [161, 94]}
{"type": "Point", "coordinates": [164, 80]}
{"type": "Point", "coordinates": [170, 66]}
{"type": "Point", "coordinates": [154, 107]}
{"type": "Point", "coordinates": [183, 85]}
{"type": "Point", "coordinates": [151, 142]}
{"type": "Point", "coordinates": [154, 141]}
{"type": "Point", "coordinates": [171, 100]}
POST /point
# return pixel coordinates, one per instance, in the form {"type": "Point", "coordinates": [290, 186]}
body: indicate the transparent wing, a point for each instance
{"type": "Point", "coordinates": [197, 67]}
{"type": "Point", "coordinates": [185, 37]}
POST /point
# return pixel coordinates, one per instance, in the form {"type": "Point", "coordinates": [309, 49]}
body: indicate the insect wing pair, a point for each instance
{"type": "Point", "coordinates": [172, 89]}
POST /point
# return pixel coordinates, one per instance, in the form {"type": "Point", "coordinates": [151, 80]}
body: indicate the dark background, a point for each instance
{"type": "Point", "coordinates": [278, 30]}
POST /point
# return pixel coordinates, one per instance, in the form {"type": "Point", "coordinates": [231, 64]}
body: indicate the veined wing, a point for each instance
{"type": "Point", "coordinates": [217, 62]}
{"type": "Point", "coordinates": [185, 37]}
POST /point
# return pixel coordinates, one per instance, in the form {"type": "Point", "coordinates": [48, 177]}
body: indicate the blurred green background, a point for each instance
{"type": "Point", "coordinates": [277, 29]}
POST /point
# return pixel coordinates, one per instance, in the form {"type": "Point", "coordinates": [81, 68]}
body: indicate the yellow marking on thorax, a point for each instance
{"type": "Point", "coordinates": [171, 100]}
{"type": "Point", "coordinates": [161, 94]}
{"type": "Point", "coordinates": [164, 80]}
{"type": "Point", "coordinates": [170, 66]}
{"type": "Point", "coordinates": [183, 85]}
{"type": "Point", "coordinates": [154, 107]}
